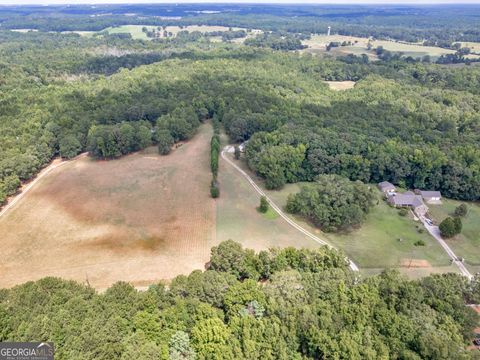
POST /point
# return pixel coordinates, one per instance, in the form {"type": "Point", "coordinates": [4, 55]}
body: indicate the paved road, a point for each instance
{"type": "Point", "coordinates": [435, 232]}
{"type": "Point", "coordinates": [55, 164]}
{"type": "Point", "coordinates": [227, 149]}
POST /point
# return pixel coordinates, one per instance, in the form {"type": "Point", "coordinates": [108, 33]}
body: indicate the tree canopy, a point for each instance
{"type": "Point", "coordinates": [309, 304]}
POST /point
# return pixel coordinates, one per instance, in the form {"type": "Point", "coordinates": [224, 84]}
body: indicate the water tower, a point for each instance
{"type": "Point", "coordinates": [328, 32]}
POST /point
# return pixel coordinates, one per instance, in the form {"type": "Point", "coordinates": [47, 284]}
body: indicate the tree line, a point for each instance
{"type": "Point", "coordinates": [307, 305]}
{"type": "Point", "coordinates": [214, 158]}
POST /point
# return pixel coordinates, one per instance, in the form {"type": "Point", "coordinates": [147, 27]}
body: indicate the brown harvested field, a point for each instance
{"type": "Point", "coordinates": [415, 263]}
{"type": "Point", "coordinates": [141, 218]}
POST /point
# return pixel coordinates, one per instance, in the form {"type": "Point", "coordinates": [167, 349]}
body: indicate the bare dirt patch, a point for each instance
{"type": "Point", "coordinates": [141, 218]}
{"type": "Point", "coordinates": [415, 263]}
{"type": "Point", "coordinates": [340, 85]}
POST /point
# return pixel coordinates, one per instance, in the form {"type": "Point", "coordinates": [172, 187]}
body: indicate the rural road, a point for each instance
{"type": "Point", "coordinates": [280, 212]}
{"type": "Point", "coordinates": [435, 232]}
{"type": "Point", "coordinates": [25, 189]}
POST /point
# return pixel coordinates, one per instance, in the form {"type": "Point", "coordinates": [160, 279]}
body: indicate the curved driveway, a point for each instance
{"type": "Point", "coordinates": [280, 212]}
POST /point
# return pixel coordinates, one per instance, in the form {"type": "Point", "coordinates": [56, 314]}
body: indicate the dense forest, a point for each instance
{"type": "Point", "coordinates": [414, 124]}
{"type": "Point", "coordinates": [277, 304]}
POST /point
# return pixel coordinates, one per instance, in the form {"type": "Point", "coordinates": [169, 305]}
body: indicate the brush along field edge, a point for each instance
{"type": "Point", "coordinates": [229, 148]}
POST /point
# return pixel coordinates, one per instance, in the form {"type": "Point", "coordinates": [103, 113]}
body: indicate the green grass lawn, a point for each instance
{"type": "Point", "coordinates": [134, 30]}
{"type": "Point", "coordinates": [467, 244]}
{"type": "Point", "coordinates": [270, 214]}
{"type": "Point", "coordinates": [376, 244]}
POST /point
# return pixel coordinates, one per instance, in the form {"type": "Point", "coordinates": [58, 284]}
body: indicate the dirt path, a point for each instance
{"type": "Point", "coordinates": [280, 212]}
{"type": "Point", "coordinates": [56, 163]}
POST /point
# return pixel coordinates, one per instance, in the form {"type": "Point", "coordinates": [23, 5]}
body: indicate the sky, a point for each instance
{"type": "Point", "coordinates": [27, 2]}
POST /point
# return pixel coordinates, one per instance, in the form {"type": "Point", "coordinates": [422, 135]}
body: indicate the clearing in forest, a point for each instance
{"type": "Point", "coordinates": [384, 240]}
{"type": "Point", "coordinates": [340, 85]}
{"type": "Point", "coordinates": [137, 33]}
{"type": "Point", "coordinates": [359, 46]}
{"type": "Point", "coordinates": [141, 218]}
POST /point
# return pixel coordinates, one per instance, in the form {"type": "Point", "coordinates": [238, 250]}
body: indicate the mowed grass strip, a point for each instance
{"type": "Point", "coordinates": [141, 218]}
{"type": "Point", "coordinates": [466, 244]}
{"type": "Point", "coordinates": [238, 218]}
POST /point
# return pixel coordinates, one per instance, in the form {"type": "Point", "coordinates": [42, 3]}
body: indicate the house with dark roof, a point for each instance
{"type": "Point", "coordinates": [409, 199]}
{"type": "Point", "coordinates": [386, 187]}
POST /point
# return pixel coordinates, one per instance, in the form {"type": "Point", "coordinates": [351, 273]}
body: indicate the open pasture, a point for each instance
{"type": "Point", "coordinates": [410, 49]}
{"type": "Point", "coordinates": [137, 33]}
{"type": "Point", "coordinates": [384, 240]}
{"type": "Point", "coordinates": [359, 46]}
{"type": "Point", "coordinates": [141, 218]}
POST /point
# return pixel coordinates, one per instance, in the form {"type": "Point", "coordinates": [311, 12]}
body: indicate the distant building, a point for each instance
{"type": "Point", "coordinates": [429, 196]}
{"type": "Point", "coordinates": [410, 200]}
{"type": "Point", "coordinates": [386, 187]}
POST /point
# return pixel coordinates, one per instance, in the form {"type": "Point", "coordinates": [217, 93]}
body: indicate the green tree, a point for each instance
{"type": "Point", "coordinates": [127, 138]}
{"type": "Point", "coordinates": [213, 340]}
{"type": "Point", "coordinates": [264, 205]}
{"type": "Point", "coordinates": [457, 222]}
{"type": "Point", "coordinates": [180, 348]}
{"type": "Point", "coordinates": [450, 227]}
{"type": "Point", "coordinates": [143, 137]}
{"type": "Point", "coordinates": [332, 202]}
{"type": "Point", "coordinates": [214, 189]}
{"type": "Point", "coordinates": [69, 146]}
{"type": "Point", "coordinates": [461, 210]}
{"type": "Point", "coordinates": [165, 142]}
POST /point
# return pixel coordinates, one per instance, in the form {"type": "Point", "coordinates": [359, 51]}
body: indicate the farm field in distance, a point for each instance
{"type": "Point", "coordinates": [140, 218]}
{"type": "Point", "coordinates": [137, 33]}
{"type": "Point", "coordinates": [359, 46]}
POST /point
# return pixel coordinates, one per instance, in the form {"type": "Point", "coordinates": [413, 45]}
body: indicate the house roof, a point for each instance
{"type": "Point", "coordinates": [384, 185]}
{"type": "Point", "coordinates": [430, 194]}
{"type": "Point", "coordinates": [406, 200]}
